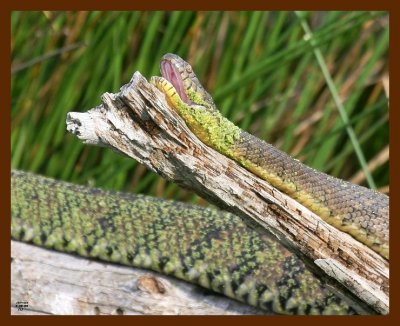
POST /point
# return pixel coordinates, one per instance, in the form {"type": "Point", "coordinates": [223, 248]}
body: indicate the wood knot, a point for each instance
{"type": "Point", "coordinates": [151, 285]}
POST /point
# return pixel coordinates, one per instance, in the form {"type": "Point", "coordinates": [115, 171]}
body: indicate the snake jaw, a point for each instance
{"type": "Point", "coordinates": [171, 94]}
{"type": "Point", "coordinates": [169, 72]}
{"type": "Point", "coordinates": [180, 74]}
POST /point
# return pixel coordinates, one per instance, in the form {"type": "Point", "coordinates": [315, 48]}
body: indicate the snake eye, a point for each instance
{"type": "Point", "coordinates": [189, 69]}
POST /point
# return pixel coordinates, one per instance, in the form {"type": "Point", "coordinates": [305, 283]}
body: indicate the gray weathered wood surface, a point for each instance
{"type": "Point", "coordinates": [62, 284]}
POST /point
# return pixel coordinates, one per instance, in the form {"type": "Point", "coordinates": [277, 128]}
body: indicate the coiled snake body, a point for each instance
{"type": "Point", "coordinates": [214, 249]}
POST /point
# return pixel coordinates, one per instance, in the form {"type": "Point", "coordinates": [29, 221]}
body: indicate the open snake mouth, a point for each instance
{"type": "Point", "coordinates": [171, 73]}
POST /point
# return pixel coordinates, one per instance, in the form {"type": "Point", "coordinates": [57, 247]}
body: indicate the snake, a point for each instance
{"type": "Point", "coordinates": [208, 247]}
{"type": "Point", "coordinates": [359, 211]}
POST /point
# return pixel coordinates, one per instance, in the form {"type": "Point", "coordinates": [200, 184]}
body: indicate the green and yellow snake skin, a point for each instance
{"type": "Point", "coordinates": [359, 211]}
{"type": "Point", "coordinates": [212, 248]}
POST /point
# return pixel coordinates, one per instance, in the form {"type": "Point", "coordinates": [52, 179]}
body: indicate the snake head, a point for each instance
{"type": "Point", "coordinates": [190, 100]}
{"type": "Point", "coordinates": [177, 73]}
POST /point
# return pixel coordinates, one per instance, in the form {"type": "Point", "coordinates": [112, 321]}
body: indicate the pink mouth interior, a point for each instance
{"type": "Point", "coordinates": [170, 73]}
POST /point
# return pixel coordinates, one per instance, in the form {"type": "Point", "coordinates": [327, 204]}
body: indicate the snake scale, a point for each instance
{"type": "Point", "coordinates": [359, 211]}
{"type": "Point", "coordinates": [212, 248]}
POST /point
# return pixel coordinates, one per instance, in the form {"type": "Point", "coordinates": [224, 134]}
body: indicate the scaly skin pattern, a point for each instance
{"type": "Point", "coordinates": [211, 248]}
{"type": "Point", "coordinates": [359, 211]}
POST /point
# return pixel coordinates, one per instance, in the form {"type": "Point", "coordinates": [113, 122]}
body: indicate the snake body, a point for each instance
{"type": "Point", "coordinates": [359, 211]}
{"type": "Point", "coordinates": [212, 248]}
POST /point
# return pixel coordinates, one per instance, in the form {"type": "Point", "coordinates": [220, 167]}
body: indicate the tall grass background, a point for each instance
{"type": "Point", "coordinates": [282, 76]}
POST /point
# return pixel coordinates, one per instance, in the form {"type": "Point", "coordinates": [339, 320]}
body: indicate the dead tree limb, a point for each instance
{"type": "Point", "coordinates": [138, 122]}
{"type": "Point", "coordinates": [49, 282]}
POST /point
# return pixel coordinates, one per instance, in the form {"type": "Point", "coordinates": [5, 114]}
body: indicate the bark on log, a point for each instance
{"type": "Point", "coordinates": [139, 123]}
{"type": "Point", "coordinates": [47, 282]}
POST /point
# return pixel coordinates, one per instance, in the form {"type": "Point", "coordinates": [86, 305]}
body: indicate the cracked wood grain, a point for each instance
{"type": "Point", "coordinates": [61, 284]}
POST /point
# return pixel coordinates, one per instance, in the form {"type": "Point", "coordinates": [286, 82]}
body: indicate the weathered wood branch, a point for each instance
{"type": "Point", "coordinates": [48, 282]}
{"type": "Point", "coordinates": [138, 122]}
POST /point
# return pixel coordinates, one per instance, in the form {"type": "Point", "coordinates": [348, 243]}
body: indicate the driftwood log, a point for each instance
{"type": "Point", "coordinates": [139, 123]}
{"type": "Point", "coordinates": [47, 282]}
